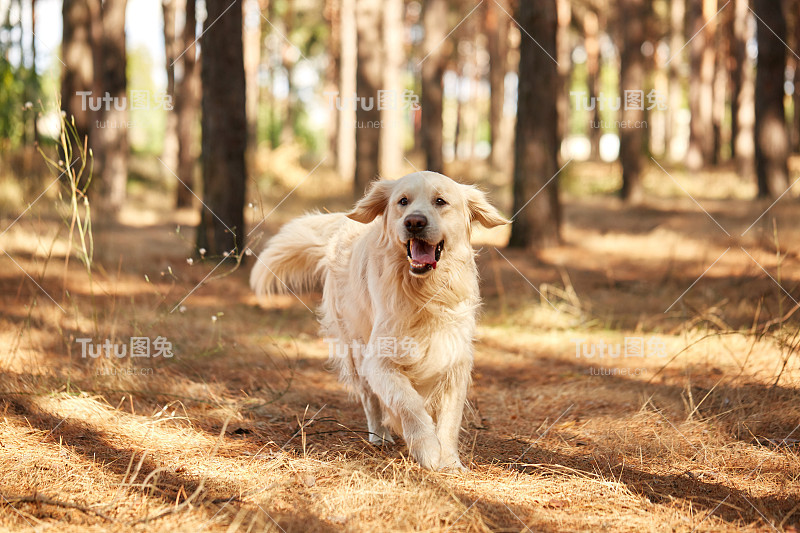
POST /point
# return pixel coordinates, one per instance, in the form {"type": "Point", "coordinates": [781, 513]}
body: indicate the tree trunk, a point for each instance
{"type": "Point", "coordinates": [288, 61]}
{"type": "Point", "coordinates": [772, 142]}
{"type": "Point", "coordinates": [346, 141]}
{"type": "Point", "coordinates": [78, 74]}
{"type": "Point", "coordinates": [187, 100]}
{"type": "Point", "coordinates": [169, 151]}
{"type": "Point", "coordinates": [591, 31]}
{"type": "Point", "coordinates": [795, 9]}
{"type": "Point", "coordinates": [564, 57]}
{"type": "Point", "coordinates": [723, 47]}
{"type": "Point", "coordinates": [434, 21]}
{"type": "Point", "coordinates": [252, 59]}
{"type": "Point", "coordinates": [497, 48]}
{"type": "Point", "coordinates": [631, 86]}
{"type": "Point", "coordinates": [368, 82]}
{"type": "Point", "coordinates": [742, 92]}
{"type": "Point", "coordinates": [701, 92]}
{"type": "Point", "coordinates": [392, 133]}
{"type": "Point", "coordinates": [224, 121]}
{"type": "Point", "coordinates": [677, 12]}
{"type": "Point", "coordinates": [537, 219]}
{"type": "Point", "coordinates": [332, 15]}
{"type": "Point", "coordinates": [113, 133]}
{"type": "Point", "coordinates": [33, 84]}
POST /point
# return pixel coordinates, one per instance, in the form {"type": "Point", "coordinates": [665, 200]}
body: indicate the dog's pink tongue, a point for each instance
{"type": "Point", "coordinates": [422, 252]}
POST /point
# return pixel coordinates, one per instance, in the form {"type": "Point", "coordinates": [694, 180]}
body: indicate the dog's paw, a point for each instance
{"type": "Point", "coordinates": [426, 450]}
{"type": "Point", "coordinates": [451, 464]}
{"type": "Point", "coordinates": [382, 438]}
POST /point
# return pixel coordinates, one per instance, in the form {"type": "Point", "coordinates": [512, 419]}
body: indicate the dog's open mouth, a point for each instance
{"type": "Point", "coordinates": [422, 255]}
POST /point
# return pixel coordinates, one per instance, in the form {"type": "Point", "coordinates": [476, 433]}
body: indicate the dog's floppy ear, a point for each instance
{"type": "Point", "coordinates": [481, 211]}
{"type": "Point", "coordinates": [373, 203]}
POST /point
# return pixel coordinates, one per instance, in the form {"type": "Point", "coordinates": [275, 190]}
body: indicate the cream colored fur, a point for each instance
{"type": "Point", "coordinates": [370, 295]}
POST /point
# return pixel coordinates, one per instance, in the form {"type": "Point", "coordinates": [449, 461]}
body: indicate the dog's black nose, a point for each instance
{"type": "Point", "coordinates": [416, 223]}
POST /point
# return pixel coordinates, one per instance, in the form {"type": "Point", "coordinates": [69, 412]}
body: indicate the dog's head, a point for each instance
{"type": "Point", "coordinates": [426, 215]}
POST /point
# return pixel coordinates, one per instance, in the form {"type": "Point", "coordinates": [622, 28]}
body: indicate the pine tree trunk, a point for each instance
{"type": "Point", "coordinates": [434, 21]}
{"type": "Point", "coordinates": [564, 57]}
{"type": "Point", "coordinates": [187, 102]}
{"type": "Point", "coordinates": [632, 13]}
{"type": "Point", "coordinates": [591, 30]}
{"type": "Point", "coordinates": [677, 11]}
{"type": "Point", "coordinates": [723, 48]}
{"type": "Point", "coordinates": [224, 121]}
{"type": "Point", "coordinates": [772, 142]}
{"type": "Point", "coordinates": [701, 13]}
{"type": "Point", "coordinates": [252, 58]}
{"type": "Point", "coordinates": [537, 219]}
{"type": "Point", "coordinates": [78, 74]}
{"type": "Point", "coordinates": [113, 134]}
{"type": "Point", "coordinates": [346, 141]}
{"type": "Point", "coordinates": [288, 62]}
{"type": "Point", "coordinates": [794, 8]}
{"type": "Point", "coordinates": [393, 128]}
{"type": "Point", "coordinates": [497, 47]}
{"type": "Point", "coordinates": [742, 92]}
{"type": "Point", "coordinates": [169, 151]}
{"type": "Point", "coordinates": [368, 82]}
{"type": "Point", "coordinates": [333, 16]}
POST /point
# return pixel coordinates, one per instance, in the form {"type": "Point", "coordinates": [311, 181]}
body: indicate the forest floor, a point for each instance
{"type": "Point", "coordinates": [244, 428]}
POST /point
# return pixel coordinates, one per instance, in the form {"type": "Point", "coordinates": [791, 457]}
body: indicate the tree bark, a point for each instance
{"type": "Point", "coordinates": [701, 13]}
{"type": "Point", "coordinates": [772, 141]}
{"type": "Point", "coordinates": [346, 140]}
{"type": "Point", "coordinates": [368, 82]}
{"type": "Point", "coordinates": [288, 61]}
{"type": "Point", "coordinates": [742, 92]}
{"type": "Point", "coordinates": [794, 8]}
{"type": "Point", "coordinates": [224, 122]}
{"type": "Point", "coordinates": [392, 133]}
{"type": "Point", "coordinates": [723, 48]}
{"type": "Point", "coordinates": [434, 21]}
{"type": "Point", "coordinates": [496, 27]}
{"type": "Point", "coordinates": [78, 74]}
{"type": "Point", "coordinates": [252, 59]}
{"type": "Point", "coordinates": [537, 219]}
{"type": "Point", "coordinates": [187, 101]}
{"type": "Point", "coordinates": [591, 31]}
{"type": "Point", "coordinates": [169, 151]}
{"type": "Point", "coordinates": [677, 12]}
{"type": "Point", "coordinates": [564, 57]}
{"type": "Point", "coordinates": [632, 14]}
{"type": "Point", "coordinates": [332, 15]}
{"type": "Point", "coordinates": [112, 147]}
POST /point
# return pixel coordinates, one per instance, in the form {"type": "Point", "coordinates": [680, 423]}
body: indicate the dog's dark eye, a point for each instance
{"type": "Point", "coordinates": [440, 201]}
{"type": "Point", "coordinates": [403, 201]}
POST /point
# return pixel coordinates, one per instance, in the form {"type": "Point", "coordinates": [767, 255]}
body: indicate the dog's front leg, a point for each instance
{"type": "Point", "coordinates": [449, 414]}
{"type": "Point", "coordinates": [399, 396]}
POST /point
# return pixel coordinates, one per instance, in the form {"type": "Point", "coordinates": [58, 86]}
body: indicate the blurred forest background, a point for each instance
{"type": "Point", "coordinates": [489, 91]}
{"type": "Point", "coordinates": [636, 362]}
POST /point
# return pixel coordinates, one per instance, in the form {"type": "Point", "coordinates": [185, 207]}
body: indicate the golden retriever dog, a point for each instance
{"type": "Point", "coordinates": [400, 298]}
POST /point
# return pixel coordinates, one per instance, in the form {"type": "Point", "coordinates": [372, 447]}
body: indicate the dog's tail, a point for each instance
{"type": "Point", "coordinates": [294, 259]}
